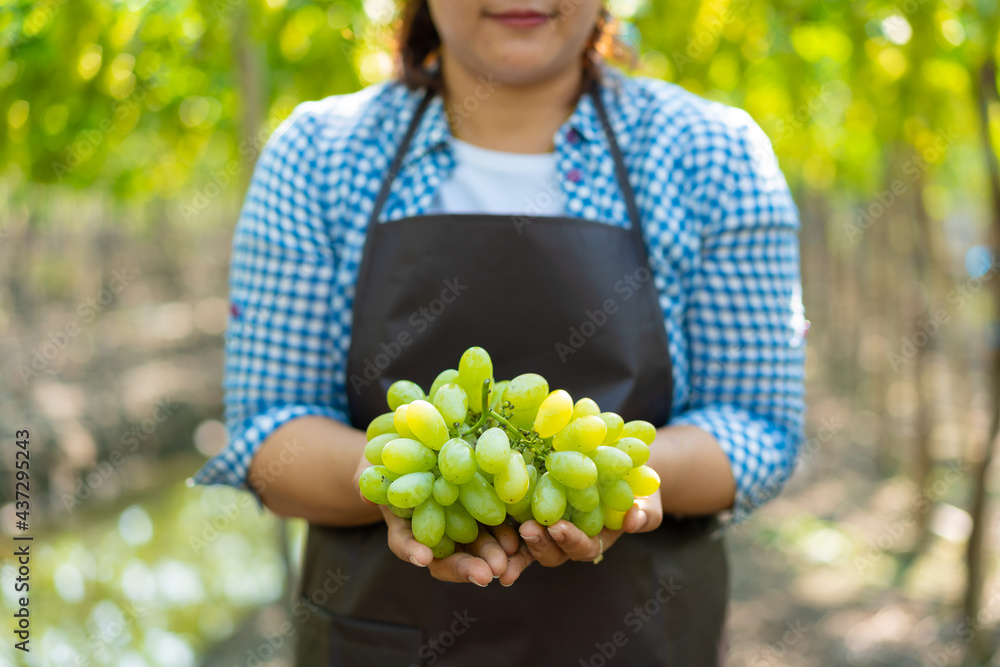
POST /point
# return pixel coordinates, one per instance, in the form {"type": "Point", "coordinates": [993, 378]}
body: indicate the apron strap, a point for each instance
{"type": "Point", "coordinates": [621, 171]}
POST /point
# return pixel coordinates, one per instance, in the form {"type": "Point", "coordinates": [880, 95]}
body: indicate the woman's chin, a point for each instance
{"type": "Point", "coordinates": [520, 70]}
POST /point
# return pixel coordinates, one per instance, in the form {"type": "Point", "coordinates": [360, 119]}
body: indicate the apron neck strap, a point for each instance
{"type": "Point", "coordinates": [621, 171]}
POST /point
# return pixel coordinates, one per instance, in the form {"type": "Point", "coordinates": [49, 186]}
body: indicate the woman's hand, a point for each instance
{"type": "Point", "coordinates": [496, 553]}
{"type": "Point", "coordinates": [563, 541]}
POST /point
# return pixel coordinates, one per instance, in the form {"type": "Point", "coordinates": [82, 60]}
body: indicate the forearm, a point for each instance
{"type": "Point", "coordinates": [306, 469]}
{"type": "Point", "coordinates": [696, 477]}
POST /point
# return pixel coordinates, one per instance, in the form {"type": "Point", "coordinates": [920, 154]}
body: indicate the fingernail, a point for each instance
{"type": "Point", "coordinates": [507, 585]}
{"type": "Point", "coordinates": [413, 559]}
{"type": "Point", "coordinates": [531, 539]}
{"type": "Point", "coordinates": [473, 580]}
{"type": "Point", "coordinates": [640, 520]}
{"type": "Point", "coordinates": [557, 535]}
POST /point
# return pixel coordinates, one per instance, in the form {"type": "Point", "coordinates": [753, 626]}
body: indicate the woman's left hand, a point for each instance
{"type": "Point", "coordinates": [563, 541]}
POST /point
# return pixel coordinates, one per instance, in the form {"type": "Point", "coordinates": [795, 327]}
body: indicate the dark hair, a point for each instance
{"type": "Point", "coordinates": [419, 42]}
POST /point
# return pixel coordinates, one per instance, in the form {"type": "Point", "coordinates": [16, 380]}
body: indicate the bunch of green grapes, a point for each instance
{"type": "Point", "coordinates": [472, 452]}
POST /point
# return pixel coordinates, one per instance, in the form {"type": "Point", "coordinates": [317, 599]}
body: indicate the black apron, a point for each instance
{"type": "Point", "coordinates": [550, 296]}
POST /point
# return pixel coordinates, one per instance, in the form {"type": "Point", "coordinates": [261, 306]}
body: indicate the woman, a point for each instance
{"type": "Point", "coordinates": [628, 240]}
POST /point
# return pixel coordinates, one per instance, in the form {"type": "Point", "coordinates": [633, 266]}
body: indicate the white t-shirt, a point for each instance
{"type": "Point", "coordinates": [499, 183]}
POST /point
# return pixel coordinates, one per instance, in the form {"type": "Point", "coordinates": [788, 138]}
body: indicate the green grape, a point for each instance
{"type": "Point", "coordinates": [428, 522]}
{"type": "Point", "coordinates": [583, 500]}
{"type": "Point", "coordinates": [528, 456]}
{"type": "Point", "coordinates": [617, 495]}
{"type": "Point", "coordinates": [459, 524]}
{"type": "Point", "coordinates": [615, 426]}
{"type": "Point", "coordinates": [512, 482]}
{"type": "Point", "coordinates": [585, 407]}
{"type": "Point", "coordinates": [374, 484]}
{"type": "Point", "coordinates": [493, 450]}
{"type": "Point", "coordinates": [381, 425]}
{"type": "Point", "coordinates": [412, 489]}
{"type": "Point", "coordinates": [444, 548]}
{"type": "Point", "coordinates": [402, 392]}
{"type": "Point", "coordinates": [612, 463]}
{"type": "Point", "coordinates": [548, 502]}
{"type": "Point", "coordinates": [643, 481]}
{"type": "Point", "coordinates": [636, 449]}
{"type": "Point", "coordinates": [443, 378]}
{"type": "Point", "coordinates": [445, 492]}
{"type": "Point", "coordinates": [613, 519]}
{"type": "Point", "coordinates": [399, 422]}
{"type": "Point", "coordinates": [402, 512]}
{"type": "Point", "coordinates": [572, 469]}
{"type": "Point", "coordinates": [524, 504]}
{"type": "Point", "coordinates": [526, 392]}
{"type": "Point", "coordinates": [581, 435]}
{"type": "Point", "coordinates": [590, 522]}
{"type": "Point", "coordinates": [524, 516]}
{"type": "Point", "coordinates": [403, 456]}
{"type": "Point", "coordinates": [554, 413]}
{"type": "Point", "coordinates": [488, 476]}
{"type": "Point", "coordinates": [474, 368]}
{"type": "Point", "coordinates": [480, 498]}
{"type": "Point", "coordinates": [498, 390]}
{"type": "Point", "coordinates": [373, 450]}
{"type": "Point", "coordinates": [457, 461]}
{"type": "Point", "coordinates": [427, 424]}
{"type": "Point", "coordinates": [640, 429]}
{"type": "Point", "coordinates": [452, 403]}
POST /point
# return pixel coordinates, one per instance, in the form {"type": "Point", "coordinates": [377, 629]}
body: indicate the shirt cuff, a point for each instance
{"type": "Point", "coordinates": [230, 466]}
{"type": "Point", "coordinates": [762, 454]}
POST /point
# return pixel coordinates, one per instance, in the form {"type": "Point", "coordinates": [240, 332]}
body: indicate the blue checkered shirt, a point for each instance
{"type": "Point", "coordinates": [721, 227]}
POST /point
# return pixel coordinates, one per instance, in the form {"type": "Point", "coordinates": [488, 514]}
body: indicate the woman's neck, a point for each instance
{"type": "Point", "coordinates": [507, 117]}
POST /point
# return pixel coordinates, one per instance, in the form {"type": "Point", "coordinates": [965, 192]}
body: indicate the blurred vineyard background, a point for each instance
{"type": "Point", "coordinates": [128, 131]}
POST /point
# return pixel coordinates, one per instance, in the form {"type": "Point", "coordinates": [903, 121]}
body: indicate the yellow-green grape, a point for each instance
{"type": "Point", "coordinates": [411, 490]}
{"type": "Point", "coordinates": [586, 407]}
{"type": "Point", "coordinates": [612, 463]}
{"type": "Point", "coordinates": [548, 502]}
{"type": "Point", "coordinates": [554, 413]}
{"type": "Point", "coordinates": [615, 426]}
{"type": "Point", "coordinates": [524, 504]}
{"type": "Point", "coordinates": [640, 429]}
{"type": "Point", "coordinates": [488, 476]}
{"type": "Point", "coordinates": [590, 522]}
{"type": "Point", "coordinates": [512, 482]}
{"type": "Point", "coordinates": [445, 492]}
{"type": "Point", "coordinates": [428, 522]}
{"type": "Point", "coordinates": [459, 524]}
{"type": "Point", "coordinates": [444, 548]}
{"type": "Point", "coordinates": [636, 449]}
{"type": "Point", "coordinates": [524, 516]}
{"type": "Point", "coordinates": [399, 422]}
{"type": "Point", "coordinates": [403, 456]}
{"type": "Point", "coordinates": [572, 469]}
{"type": "Point", "coordinates": [474, 368]}
{"type": "Point", "coordinates": [613, 519]}
{"type": "Point", "coordinates": [452, 403]}
{"type": "Point", "coordinates": [381, 425]}
{"type": "Point", "coordinates": [617, 495]}
{"type": "Point", "coordinates": [493, 450]}
{"type": "Point", "coordinates": [581, 435]}
{"type": "Point", "coordinates": [443, 378]}
{"type": "Point", "coordinates": [480, 498]}
{"type": "Point", "coordinates": [498, 389]}
{"type": "Point", "coordinates": [402, 512]}
{"type": "Point", "coordinates": [457, 461]}
{"type": "Point", "coordinates": [568, 514]}
{"type": "Point", "coordinates": [373, 450]}
{"type": "Point", "coordinates": [402, 392]}
{"type": "Point", "coordinates": [427, 424]}
{"type": "Point", "coordinates": [583, 500]}
{"type": "Point", "coordinates": [643, 480]}
{"type": "Point", "coordinates": [526, 392]}
{"type": "Point", "coordinates": [374, 484]}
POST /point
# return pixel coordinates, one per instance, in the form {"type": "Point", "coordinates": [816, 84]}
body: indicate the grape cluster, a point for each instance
{"type": "Point", "coordinates": [472, 452]}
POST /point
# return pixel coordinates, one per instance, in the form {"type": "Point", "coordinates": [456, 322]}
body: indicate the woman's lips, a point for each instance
{"type": "Point", "coordinates": [521, 18]}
